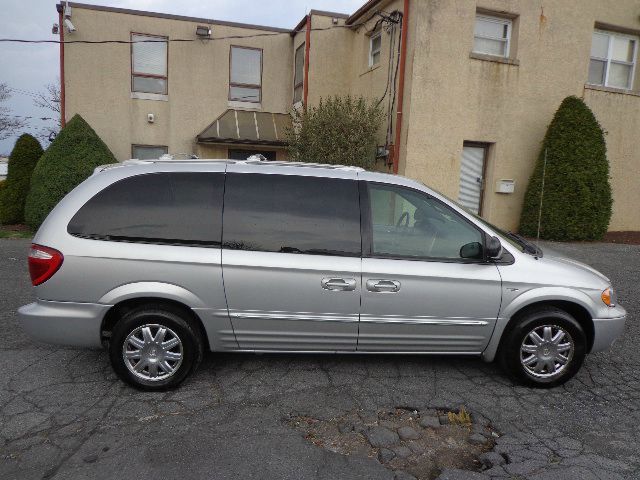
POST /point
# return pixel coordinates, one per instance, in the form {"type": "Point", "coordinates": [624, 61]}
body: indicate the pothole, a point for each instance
{"type": "Point", "coordinates": [412, 443]}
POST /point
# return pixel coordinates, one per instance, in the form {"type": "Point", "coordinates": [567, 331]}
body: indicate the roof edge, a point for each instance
{"type": "Point", "coordinates": [169, 16]}
{"type": "Point", "coordinates": [361, 11]}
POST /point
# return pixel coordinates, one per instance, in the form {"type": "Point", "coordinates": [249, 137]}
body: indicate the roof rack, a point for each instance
{"type": "Point", "coordinates": [272, 163]}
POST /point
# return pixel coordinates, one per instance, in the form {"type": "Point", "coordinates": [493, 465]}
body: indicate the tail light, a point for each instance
{"type": "Point", "coordinates": [43, 263]}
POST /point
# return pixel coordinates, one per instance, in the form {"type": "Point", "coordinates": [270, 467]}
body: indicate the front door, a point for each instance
{"type": "Point", "coordinates": [472, 176]}
{"type": "Point", "coordinates": [291, 260]}
{"type": "Point", "coordinates": [418, 294]}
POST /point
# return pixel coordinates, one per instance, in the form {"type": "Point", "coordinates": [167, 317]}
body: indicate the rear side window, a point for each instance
{"type": "Point", "coordinates": [167, 208]}
{"type": "Point", "coordinates": [292, 214]}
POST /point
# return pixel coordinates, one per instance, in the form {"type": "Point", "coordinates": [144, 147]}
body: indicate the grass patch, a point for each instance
{"type": "Point", "coordinates": [460, 418]}
{"type": "Point", "coordinates": [7, 231]}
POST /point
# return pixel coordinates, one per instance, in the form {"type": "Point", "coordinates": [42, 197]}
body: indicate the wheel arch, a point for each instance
{"type": "Point", "coordinates": [574, 306]}
{"type": "Point", "coordinates": [115, 313]}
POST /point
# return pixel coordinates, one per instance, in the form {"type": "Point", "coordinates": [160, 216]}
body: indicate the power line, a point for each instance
{"type": "Point", "coordinates": [172, 40]}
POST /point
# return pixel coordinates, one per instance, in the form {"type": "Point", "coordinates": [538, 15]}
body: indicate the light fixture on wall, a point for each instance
{"type": "Point", "coordinates": [203, 31]}
{"type": "Point", "coordinates": [55, 29]}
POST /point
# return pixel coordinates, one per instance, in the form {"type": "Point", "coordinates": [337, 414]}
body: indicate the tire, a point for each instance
{"type": "Point", "coordinates": [156, 361]}
{"type": "Point", "coordinates": [537, 365]}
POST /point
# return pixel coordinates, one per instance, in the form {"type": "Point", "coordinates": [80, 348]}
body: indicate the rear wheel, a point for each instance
{"type": "Point", "coordinates": [153, 348]}
{"type": "Point", "coordinates": [545, 348]}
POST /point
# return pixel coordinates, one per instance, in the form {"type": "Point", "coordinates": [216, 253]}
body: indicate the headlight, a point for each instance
{"type": "Point", "coordinates": [609, 297]}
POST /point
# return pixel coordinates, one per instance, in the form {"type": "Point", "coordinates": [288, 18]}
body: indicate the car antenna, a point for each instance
{"type": "Point", "coordinates": [544, 169]}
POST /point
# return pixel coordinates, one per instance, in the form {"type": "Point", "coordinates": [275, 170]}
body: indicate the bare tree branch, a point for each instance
{"type": "Point", "coordinates": [50, 98]}
{"type": "Point", "coordinates": [9, 123]}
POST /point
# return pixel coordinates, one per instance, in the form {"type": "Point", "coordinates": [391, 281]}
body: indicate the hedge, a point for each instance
{"type": "Point", "coordinates": [13, 194]}
{"type": "Point", "coordinates": [69, 160]}
{"type": "Point", "coordinates": [577, 199]}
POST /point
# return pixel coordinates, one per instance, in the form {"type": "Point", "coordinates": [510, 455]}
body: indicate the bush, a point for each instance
{"type": "Point", "coordinates": [340, 130]}
{"type": "Point", "coordinates": [13, 194]}
{"type": "Point", "coordinates": [69, 160]}
{"type": "Point", "coordinates": [577, 199]}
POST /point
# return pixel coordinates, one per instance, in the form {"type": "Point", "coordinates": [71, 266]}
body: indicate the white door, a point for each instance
{"type": "Point", "coordinates": [471, 181]}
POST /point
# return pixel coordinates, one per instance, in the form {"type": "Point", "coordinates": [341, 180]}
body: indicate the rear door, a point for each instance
{"type": "Point", "coordinates": [291, 259]}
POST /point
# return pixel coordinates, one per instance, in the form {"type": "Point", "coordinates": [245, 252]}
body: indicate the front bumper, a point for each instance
{"type": "Point", "coordinates": [607, 330]}
{"type": "Point", "coordinates": [63, 323]}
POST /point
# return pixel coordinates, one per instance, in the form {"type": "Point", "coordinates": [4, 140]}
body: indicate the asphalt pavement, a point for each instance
{"type": "Point", "coordinates": [64, 414]}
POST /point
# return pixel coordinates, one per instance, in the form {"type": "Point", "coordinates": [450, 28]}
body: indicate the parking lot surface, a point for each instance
{"type": "Point", "coordinates": [64, 414]}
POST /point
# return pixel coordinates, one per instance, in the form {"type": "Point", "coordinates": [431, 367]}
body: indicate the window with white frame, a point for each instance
{"type": "Point", "coordinates": [245, 75]}
{"type": "Point", "coordinates": [149, 63]}
{"type": "Point", "coordinates": [148, 152]}
{"type": "Point", "coordinates": [375, 47]}
{"type": "Point", "coordinates": [492, 36]}
{"type": "Point", "coordinates": [613, 59]}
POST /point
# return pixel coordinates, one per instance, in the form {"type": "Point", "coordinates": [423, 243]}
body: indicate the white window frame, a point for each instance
{"type": "Point", "coordinates": [372, 37]}
{"type": "Point", "coordinates": [608, 61]}
{"type": "Point", "coordinates": [501, 21]}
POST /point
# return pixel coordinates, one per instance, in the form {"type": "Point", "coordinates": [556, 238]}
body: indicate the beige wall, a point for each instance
{"type": "Point", "coordinates": [456, 98]}
{"type": "Point", "coordinates": [98, 82]}
{"type": "Point", "coordinates": [449, 96]}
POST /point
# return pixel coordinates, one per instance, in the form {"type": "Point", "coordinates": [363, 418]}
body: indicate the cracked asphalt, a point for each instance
{"type": "Point", "coordinates": [64, 414]}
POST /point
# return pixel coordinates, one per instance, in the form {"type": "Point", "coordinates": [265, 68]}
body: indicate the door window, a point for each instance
{"type": "Point", "coordinates": [291, 214]}
{"type": "Point", "coordinates": [407, 223]}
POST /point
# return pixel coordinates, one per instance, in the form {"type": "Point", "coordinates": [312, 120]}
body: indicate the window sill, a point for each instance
{"type": "Point", "coordinates": [244, 105]}
{"type": "Point", "coordinates": [150, 96]}
{"type": "Point", "coordinates": [370, 69]}
{"type": "Point", "coordinates": [493, 58]}
{"type": "Point", "coordinates": [600, 88]}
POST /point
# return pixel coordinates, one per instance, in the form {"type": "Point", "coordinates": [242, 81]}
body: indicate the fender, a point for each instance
{"type": "Point", "coordinates": [534, 295]}
{"type": "Point", "coordinates": [152, 289]}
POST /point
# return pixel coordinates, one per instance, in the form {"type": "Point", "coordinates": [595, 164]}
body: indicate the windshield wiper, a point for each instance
{"type": "Point", "coordinates": [527, 246]}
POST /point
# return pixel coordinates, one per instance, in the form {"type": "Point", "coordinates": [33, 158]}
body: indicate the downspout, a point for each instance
{"type": "Point", "coordinates": [305, 87]}
{"type": "Point", "coordinates": [62, 113]}
{"type": "Point", "coordinates": [403, 58]}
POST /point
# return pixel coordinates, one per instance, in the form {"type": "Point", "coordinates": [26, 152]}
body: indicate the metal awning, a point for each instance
{"type": "Point", "coordinates": [247, 127]}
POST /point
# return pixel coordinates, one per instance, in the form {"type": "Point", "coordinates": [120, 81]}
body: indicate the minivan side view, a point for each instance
{"type": "Point", "coordinates": [162, 260]}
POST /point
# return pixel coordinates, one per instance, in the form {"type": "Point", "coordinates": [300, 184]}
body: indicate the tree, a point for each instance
{"type": "Point", "coordinates": [340, 130]}
{"type": "Point", "coordinates": [13, 195]}
{"type": "Point", "coordinates": [9, 124]}
{"type": "Point", "coordinates": [49, 100]}
{"type": "Point", "coordinates": [576, 204]}
{"type": "Point", "coordinates": [68, 161]}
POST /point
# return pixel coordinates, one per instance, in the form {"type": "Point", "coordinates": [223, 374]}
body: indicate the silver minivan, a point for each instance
{"type": "Point", "coordinates": [161, 260]}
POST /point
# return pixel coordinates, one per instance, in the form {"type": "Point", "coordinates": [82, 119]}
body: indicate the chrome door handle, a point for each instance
{"type": "Point", "coordinates": [338, 284]}
{"type": "Point", "coordinates": [388, 286]}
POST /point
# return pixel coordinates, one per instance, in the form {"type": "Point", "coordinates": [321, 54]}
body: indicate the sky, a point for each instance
{"type": "Point", "coordinates": [29, 67]}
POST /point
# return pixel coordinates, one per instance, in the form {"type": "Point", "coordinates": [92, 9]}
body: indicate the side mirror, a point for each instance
{"type": "Point", "coordinates": [494, 248]}
{"type": "Point", "coordinates": [471, 250]}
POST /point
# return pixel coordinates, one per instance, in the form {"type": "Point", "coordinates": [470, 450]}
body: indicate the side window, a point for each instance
{"type": "Point", "coordinates": [406, 223]}
{"type": "Point", "coordinates": [298, 75]}
{"type": "Point", "coordinates": [292, 214]}
{"type": "Point", "coordinates": [165, 208]}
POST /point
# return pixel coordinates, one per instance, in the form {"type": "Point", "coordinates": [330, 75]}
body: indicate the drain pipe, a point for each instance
{"type": "Point", "coordinates": [307, 41]}
{"type": "Point", "coordinates": [403, 58]}
{"type": "Point", "coordinates": [61, 33]}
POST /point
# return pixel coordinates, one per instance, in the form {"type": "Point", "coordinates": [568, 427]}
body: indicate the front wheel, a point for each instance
{"type": "Point", "coordinates": [545, 348]}
{"type": "Point", "coordinates": [152, 348]}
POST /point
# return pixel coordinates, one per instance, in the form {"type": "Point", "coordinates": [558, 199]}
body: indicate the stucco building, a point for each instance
{"type": "Point", "coordinates": [468, 87]}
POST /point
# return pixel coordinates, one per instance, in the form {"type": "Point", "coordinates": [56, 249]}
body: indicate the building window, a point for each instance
{"type": "Point", "coordinates": [245, 76]}
{"type": "Point", "coordinates": [375, 46]}
{"type": "Point", "coordinates": [613, 60]}
{"type": "Point", "coordinates": [148, 152]}
{"type": "Point", "coordinates": [298, 76]}
{"type": "Point", "coordinates": [492, 36]}
{"type": "Point", "coordinates": [149, 64]}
